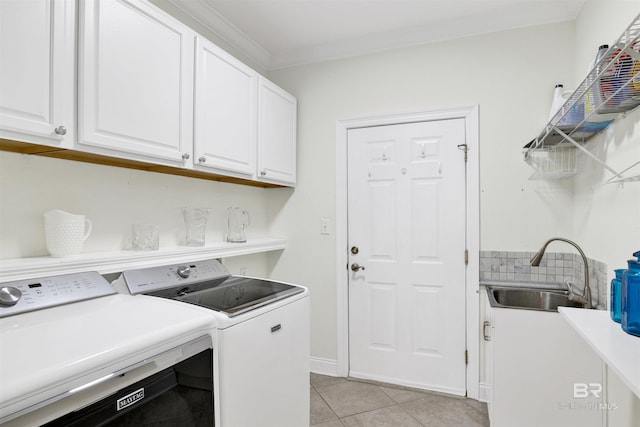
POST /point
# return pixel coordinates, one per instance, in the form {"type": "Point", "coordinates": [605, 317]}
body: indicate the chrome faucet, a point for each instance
{"type": "Point", "coordinates": [585, 298]}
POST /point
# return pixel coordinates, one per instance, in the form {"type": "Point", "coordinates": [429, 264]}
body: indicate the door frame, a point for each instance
{"type": "Point", "coordinates": [470, 116]}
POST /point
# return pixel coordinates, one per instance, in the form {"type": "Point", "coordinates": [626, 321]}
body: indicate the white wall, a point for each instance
{"type": "Point", "coordinates": [606, 217]}
{"type": "Point", "coordinates": [114, 198]}
{"type": "Point", "coordinates": [510, 75]}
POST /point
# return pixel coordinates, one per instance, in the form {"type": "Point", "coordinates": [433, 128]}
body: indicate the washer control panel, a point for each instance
{"type": "Point", "coordinates": [151, 280]}
{"type": "Point", "coordinates": [21, 296]}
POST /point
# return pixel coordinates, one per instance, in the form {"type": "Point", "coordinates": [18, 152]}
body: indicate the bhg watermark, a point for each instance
{"type": "Point", "coordinates": [587, 397]}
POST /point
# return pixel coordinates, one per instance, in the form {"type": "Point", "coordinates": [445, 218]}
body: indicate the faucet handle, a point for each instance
{"type": "Point", "coordinates": [577, 297]}
{"type": "Point", "coordinates": [569, 285]}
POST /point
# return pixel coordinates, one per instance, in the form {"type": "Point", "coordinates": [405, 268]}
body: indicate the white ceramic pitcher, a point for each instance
{"type": "Point", "coordinates": [65, 233]}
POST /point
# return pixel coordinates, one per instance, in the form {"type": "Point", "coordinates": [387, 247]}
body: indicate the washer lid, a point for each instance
{"type": "Point", "coordinates": [237, 295]}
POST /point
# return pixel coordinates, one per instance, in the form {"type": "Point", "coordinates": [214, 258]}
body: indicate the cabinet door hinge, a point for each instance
{"type": "Point", "coordinates": [466, 257]}
{"type": "Point", "coordinates": [466, 357]}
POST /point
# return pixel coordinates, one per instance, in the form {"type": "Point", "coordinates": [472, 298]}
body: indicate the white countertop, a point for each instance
{"type": "Point", "coordinates": [619, 350]}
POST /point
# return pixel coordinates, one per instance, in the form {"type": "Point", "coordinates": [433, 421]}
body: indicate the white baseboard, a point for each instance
{"type": "Point", "coordinates": [484, 392]}
{"type": "Point", "coordinates": [319, 365]}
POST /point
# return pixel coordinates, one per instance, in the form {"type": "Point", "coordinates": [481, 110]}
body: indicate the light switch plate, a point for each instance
{"type": "Point", "coordinates": [324, 226]}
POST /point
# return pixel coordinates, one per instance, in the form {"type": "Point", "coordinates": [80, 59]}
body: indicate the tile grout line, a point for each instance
{"type": "Point", "coordinates": [363, 412]}
{"type": "Point", "coordinates": [328, 406]}
{"type": "Point", "coordinates": [395, 403]}
{"type": "Point", "coordinates": [401, 407]}
{"type": "Point", "coordinates": [370, 410]}
{"type": "Point", "coordinates": [385, 407]}
{"type": "Point", "coordinates": [476, 409]}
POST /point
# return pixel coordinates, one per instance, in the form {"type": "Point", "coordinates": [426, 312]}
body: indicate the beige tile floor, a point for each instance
{"type": "Point", "coordinates": [342, 402]}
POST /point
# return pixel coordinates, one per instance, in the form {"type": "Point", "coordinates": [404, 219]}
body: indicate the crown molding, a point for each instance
{"type": "Point", "coordinates": [204, 14]}
{"type": "Point", "coordinates": [404, 38]}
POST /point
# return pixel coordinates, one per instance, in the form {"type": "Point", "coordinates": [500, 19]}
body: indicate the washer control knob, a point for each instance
{"type": "Point", "coordinates": [184, 271]}
{"type": "Point", "coordinates": [9, 296]}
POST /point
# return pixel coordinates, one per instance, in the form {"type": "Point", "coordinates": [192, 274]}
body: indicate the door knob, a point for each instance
{"type": "Point", "coordinates": [60, 130]}
{"type": "Point", "coordinates": [356, 267]}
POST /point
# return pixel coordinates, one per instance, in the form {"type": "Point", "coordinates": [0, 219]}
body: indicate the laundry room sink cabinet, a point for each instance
{"type": "Point", "coordinates": [543, 374]}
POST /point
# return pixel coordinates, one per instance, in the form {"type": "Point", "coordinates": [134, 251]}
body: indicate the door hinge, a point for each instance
{"type": "Point", "coordinates": [466, 257]}
{"type": "Point", "coordinates": [465, 148]}
{"type": "Point", "coordinates": [466, 357]}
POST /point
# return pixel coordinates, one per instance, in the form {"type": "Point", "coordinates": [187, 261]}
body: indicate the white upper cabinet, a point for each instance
{"type": "Point", "coordinates": [225, 112]}
{"type": "Point", "coordinates": [37, 71]}
{"type": "Point", "coordinates": [135, 94]}
{"type": "Point", "coordinates": [149, 90]}
{"type": "Point", "coordinates": [276, 134]}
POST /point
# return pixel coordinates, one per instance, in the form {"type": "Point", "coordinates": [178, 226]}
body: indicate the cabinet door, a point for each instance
{"type": "Point", "coordinates": [486, 351]}
{"type": "Point", "coordinates": [225, 111]}
{"type": "Point", "coordinates": [135, 82]}
{"type": "Point", "coordinates": [276, 134]}
{"type": "Point", "coordinates": [538, 359]}
{"type": "Point", "coordinates": [37, 71]}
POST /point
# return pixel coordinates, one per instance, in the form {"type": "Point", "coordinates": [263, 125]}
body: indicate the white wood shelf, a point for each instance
{"type": "Point", "coordinates": [114, 262]}
{"type": "Point", "coordinates": [619, 350]}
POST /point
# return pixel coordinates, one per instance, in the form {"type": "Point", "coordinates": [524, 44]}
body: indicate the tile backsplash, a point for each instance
{"type": "Point", "coordinates": [555, 268]}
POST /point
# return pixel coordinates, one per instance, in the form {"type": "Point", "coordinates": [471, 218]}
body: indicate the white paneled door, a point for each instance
{"type": "Point", "coordinates": [406, 219]}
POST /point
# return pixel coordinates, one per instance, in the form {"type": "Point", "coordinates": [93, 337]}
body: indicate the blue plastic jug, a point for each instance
{"type": "Point", "coordinates": [615, 307]}
{"type": "Point", "coordinates": [630, 319]}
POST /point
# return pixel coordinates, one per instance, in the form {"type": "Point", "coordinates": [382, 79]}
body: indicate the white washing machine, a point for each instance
{"type": "Point", "coordinates": [261, 357]}
{"type": "Point", "coordinates": [76, 353]}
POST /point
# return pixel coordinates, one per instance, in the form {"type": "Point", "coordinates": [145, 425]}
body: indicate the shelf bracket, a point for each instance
{"type": "Point", "coordinates": [587, 152]}
{"type": "Point", "coordinates": [622, 180]}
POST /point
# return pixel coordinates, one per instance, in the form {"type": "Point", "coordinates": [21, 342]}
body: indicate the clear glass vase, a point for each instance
{"type": "Point", "coordinates": [195, 220]}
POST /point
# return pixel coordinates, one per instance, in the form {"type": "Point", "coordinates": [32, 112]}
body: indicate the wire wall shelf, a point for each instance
{"type": "Point", "coordinates": [555, 162]}
{"type": "Point", "coordinates": [610, 89]}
